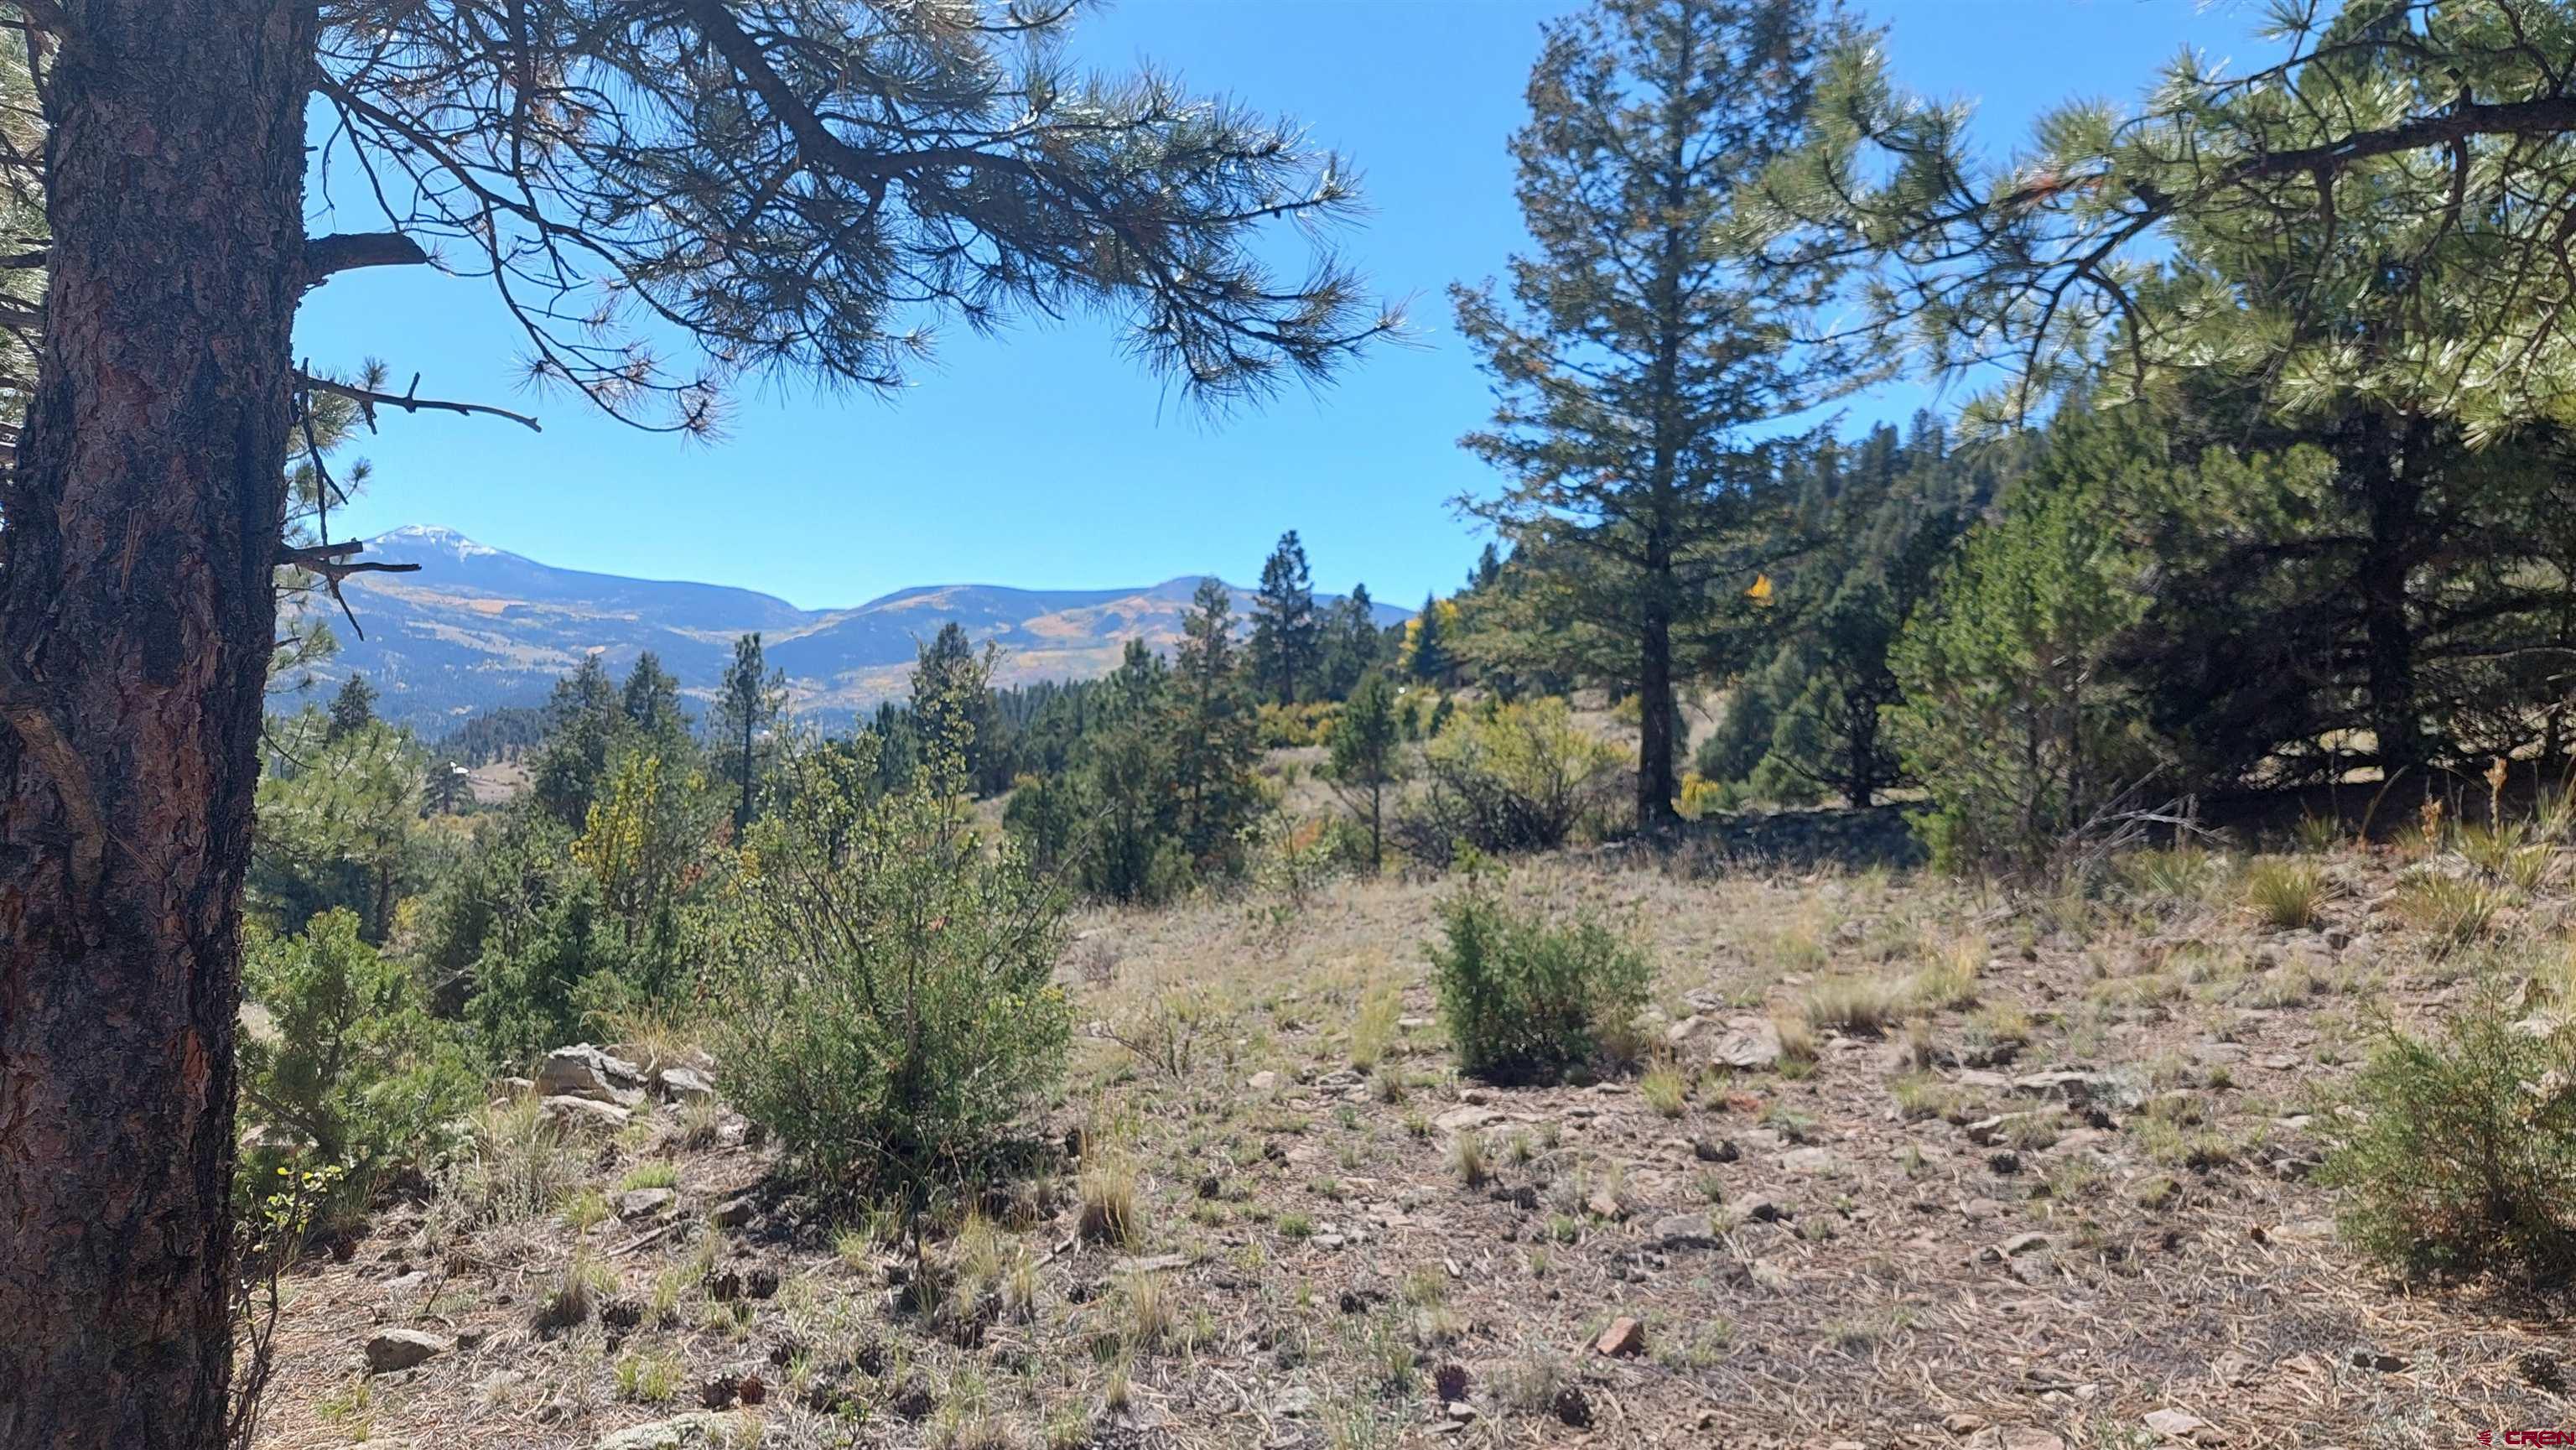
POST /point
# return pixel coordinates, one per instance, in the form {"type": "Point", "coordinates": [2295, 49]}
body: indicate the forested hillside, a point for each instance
{"type": "Point", "coordinates": [478, 629]}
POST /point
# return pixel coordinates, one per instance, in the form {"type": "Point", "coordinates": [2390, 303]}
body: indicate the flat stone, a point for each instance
{"type": "Point", "coordinates": [734, 1212]}
{"type": "Point", "coordinates": [584, 1071]}
{"type": "Point", "coordinates": [1686, 1230]}
{"type": "Point", "coordinates": [1150, 1264]}
{"type": "Point", "coordinates": [685, 1085]}
{"type": "Point", "coordinates": [574, 1112]}
{"type": "Point", "coordinates": [392, 1349]}
{"type": "Point", "coordinates": [640, 1202]}
{"type": "Point", "coordinates": [1625, 1337]}
{"type": "Point", "coordinates": [1811, 1161]}
{"type": "Point", "coordinates": [728, 1428]}
{"type": "Point", "coordinates": [2072, 1086]}
{"type": "Point", "coordinates": [1752, 1044]}
{"type": "Point", "coordinates": [1466, 1118]}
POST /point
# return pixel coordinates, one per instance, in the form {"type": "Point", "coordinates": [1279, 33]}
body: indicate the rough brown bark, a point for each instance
{"type": "Point", "coordinates": [2385, 458]}
{"type": "Point", "coordinates": [136, 617]}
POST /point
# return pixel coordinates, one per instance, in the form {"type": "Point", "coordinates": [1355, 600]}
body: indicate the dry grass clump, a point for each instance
{"type": "Point", "coordinates": [2285, 893]}
{"type": "Point", "coordinates": [1107, 1192]}
{"type": "Point", "coordinates": [1373, 1032]}
{"type": "Point", "coordinates": [1665, 1090]}
{"type": "Point", "coordinates": [576, 1291]}
{"type": "Point", "coordinates": [1950, 980]}
{"type": "Point", "coordinates": [513, 1165]}
{"type": "Point", "coordinates": [1859, 1006]}
{"type": "Point", "coordinates": [1469, 1159]}
{"type": "Point", "coordinates": [2453, 910]}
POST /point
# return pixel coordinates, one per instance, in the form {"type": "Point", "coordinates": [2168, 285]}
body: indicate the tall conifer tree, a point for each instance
{"type": "Point", "coordinates": [1634, 364]}
{"type": "Point", "coordinates": [1287, 638]}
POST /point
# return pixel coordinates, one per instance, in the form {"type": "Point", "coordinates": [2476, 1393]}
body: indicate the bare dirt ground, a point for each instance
{"type": "Point", "coordinates": [2044, 1181]}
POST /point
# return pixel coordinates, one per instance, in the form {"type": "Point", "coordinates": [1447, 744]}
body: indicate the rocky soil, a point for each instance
{"type": "Point", "coordinates": [1915, 1166]}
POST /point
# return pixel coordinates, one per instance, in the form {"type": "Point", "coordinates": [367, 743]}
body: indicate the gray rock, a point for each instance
{"type": "Point", "coordinates": [1811, 1160]}
{"type": "Point", "coordinates": [685, 1085]}
{"type": "Point", "coordinates": [1750, 1043]}
{"type": "Point", "coordinates": [1150, 1264]}
{"type": "Point", "coordinates": [584, 1071]}
{"type": "Point", "coordinates": [392, 1349]}
{"type": "Point", "coordinates": [729, 1428]}
{"type": "Point", "coordinates": [567, 1111]}
{"type": "Point", "coordinates": [641, 1202]}
{"type": "Point", "coordinates": [1686, 1230]}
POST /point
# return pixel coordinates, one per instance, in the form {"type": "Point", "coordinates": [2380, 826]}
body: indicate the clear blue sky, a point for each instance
{"type": "Point", "coordinates": [1042, 457]}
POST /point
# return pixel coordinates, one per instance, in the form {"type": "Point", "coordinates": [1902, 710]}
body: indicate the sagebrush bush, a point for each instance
{"type": "Point", "coordinates": [892, 1015]}
{"type": "Point", "coordinates": [1526, 999]}
{"type": "Point", "coordinates": [351, 1068]}
{"type": "Point", "coordinates": [2459, 1151]}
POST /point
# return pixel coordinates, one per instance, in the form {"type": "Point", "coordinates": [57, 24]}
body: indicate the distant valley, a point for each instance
{"type": "Point", "coordinates": [479, 627]}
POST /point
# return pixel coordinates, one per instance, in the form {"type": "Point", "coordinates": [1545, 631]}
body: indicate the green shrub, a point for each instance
{"type": "Point", "coordinates": [349, 1068]}
{"type": "Point", "coordinates": [2460, 1152]}
{"type": "Point", "coordinates": [1517, 777]}
{"type": "Point", "coordinates": [1525, 999]}
{"type": "Point", "coordinates": [892, 1011]}
{"type": "Point", "coordinates": [2010, 712]}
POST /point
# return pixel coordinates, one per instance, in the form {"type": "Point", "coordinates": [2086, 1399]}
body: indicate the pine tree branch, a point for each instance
{"type": "Point", "coordinates": [327, 256]}
{"type": "Point", "coordinates": [410, 401]}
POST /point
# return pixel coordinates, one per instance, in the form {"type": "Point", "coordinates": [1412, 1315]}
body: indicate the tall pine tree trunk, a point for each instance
{"type": "Point", "coordinates": [1656, 709]}
{"type": "Point", "coordinates": [136, 621]}
{"type": "Point", "coordinates": [2384, 459]}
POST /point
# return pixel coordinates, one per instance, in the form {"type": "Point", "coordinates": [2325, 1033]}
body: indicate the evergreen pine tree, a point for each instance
{"type": "Point", "coordinates": [1366, 758]}
{"type": "Point", "coordinates": [1635, 361]}
{"type": "Point", "coordinates": [1352, 641]}
{"type": "Point", "coordinates": [748, 705]}
{"type": "Point", "coordinates": [952, 707]}
{"type": "Point", "coordinates": [352, 709]}
{"type": "Point", "coordinates": [1212, 744]}
{"type": "Point", "coordinates": [583, 719]}
{"type": "Point", "coordinates": [1287, 638]}
{"type": "Point", "coordinates": [651, 700]}
{"type": "Point", "coordinates": [1429, 660]}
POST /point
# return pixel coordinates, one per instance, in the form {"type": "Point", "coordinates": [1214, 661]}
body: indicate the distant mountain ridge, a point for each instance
{"type": "Point", "coordinates": [477, 627]}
